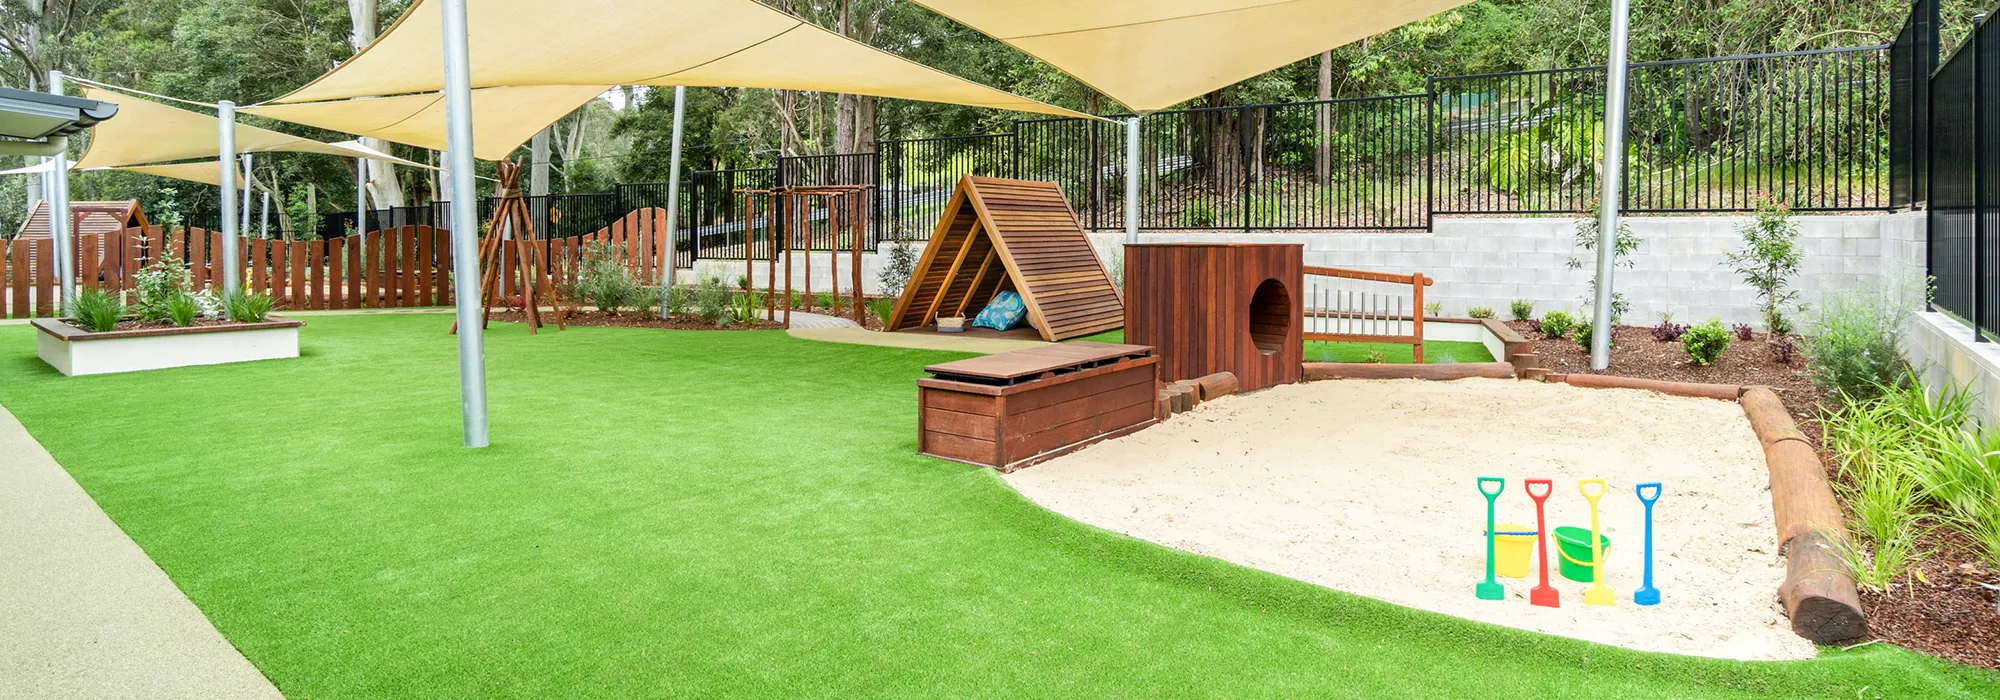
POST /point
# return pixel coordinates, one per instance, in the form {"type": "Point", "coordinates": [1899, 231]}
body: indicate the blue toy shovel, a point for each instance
{"type": "Point", "coordinates": [1647, 594]}
{"type": "Point", "coordinates": [1490, 589]}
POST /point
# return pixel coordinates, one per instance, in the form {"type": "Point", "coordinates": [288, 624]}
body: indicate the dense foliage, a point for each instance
{"type": "Point", "coordinates": [253, 50]}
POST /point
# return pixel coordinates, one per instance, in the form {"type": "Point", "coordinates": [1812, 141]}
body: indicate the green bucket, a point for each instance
{"type": "Point", "coordinates": [1573, 543]}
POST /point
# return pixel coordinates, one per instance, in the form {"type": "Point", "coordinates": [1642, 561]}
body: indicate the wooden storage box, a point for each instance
{"type": "Point", "coordinates": [1014, 409]}
{"type": "Point", "coordinates": [1227, 307]}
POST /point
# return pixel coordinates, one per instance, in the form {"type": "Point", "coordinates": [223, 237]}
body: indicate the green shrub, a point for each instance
{"type": "Point", "coordinates": [712, 301]}
{"type": "Point", "coordinates": [247, 306]}
{"type": "Point", "coordinates": [1435, 308]}
{"type": "Point", "coordinates": [159, 284]}
{"type": "Point", "coordinates": [1881, 462]}
{"type": "Point", "coordinates": [604, 280]}
{"type": "Point", "coordinates": [1556, 324]}
{"type": "Point", "coordinates": [828, 302]}
{"type": "Point", "coordinates": [883, 308]}
{"type": "Point", "coordinates": [748, 308]}
{"type": "Point", "coordinates": [678, 300]}
{"type": "Point", "coordinates": [183, 310]}
{"type": "Point", "coordinates": [1522, 309]}
{"type": "Point", "coordinates": [1852, 344]}
{"type": "Point", "coordinates": [647, 301]}
{"type": "Point", "coordinates": [1705, 343]}
{"type": "Point", "coordinates": [97, 311]}
{"type": "Point", "coordinates": [1376, 357]}
{"type": "Point", "coordinates": [1480, 312]}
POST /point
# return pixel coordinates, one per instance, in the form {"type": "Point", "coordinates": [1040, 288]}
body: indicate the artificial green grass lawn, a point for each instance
{"type": "Point", "coordinates": [1436, 352]}
{"type": "Point", "coordinates": [726, 513]}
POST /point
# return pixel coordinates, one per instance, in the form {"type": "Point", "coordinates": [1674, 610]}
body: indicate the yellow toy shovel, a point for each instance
{"type": "Point", "coordinates": [1597, 593]}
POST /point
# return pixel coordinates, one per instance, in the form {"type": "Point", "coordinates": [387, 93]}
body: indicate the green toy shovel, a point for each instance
{"type": "Point", "coordinates": [1490, 589]}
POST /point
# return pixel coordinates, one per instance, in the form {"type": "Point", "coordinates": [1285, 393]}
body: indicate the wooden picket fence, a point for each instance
{"type": "Point", "coordinates": [408, 266]}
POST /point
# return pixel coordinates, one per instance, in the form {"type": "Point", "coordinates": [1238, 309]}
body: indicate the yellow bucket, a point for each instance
{"type": "Point", "coordinates": [1512, 551]}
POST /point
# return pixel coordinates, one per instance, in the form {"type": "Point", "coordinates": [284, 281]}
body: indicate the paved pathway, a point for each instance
{"type": "Point", "coordinates": [83, 612]}
{"type": "Point", "coordinates": [801, 319]}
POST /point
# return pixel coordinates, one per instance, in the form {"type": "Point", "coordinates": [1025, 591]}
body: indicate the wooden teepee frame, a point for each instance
{"type": "Point", "coordinates": [510, 215]}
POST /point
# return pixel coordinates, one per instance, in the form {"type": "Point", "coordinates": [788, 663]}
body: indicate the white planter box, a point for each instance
{"type": "Point", "coordinates": [74, 351]}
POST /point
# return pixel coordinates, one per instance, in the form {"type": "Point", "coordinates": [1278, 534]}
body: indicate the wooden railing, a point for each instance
{"type": "Point", "coordinates": [1367, 309]}
{"type": "Point", "coordinates": [407, 266]}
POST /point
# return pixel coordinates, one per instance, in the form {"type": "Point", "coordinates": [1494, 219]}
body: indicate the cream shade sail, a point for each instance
{"type": "Point", "coordinates": [207, 171]}
{"type": "Point", "coordinates": [711, 43]}
{"type": "Point", "coordinates": [1153, 54]}
{"type": "Point", "coordinates": [148, 132]}
{"type": "Point", "coordinates": [502, 118]}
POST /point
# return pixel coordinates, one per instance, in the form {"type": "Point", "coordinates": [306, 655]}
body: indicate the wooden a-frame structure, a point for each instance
{"type": "Point", "coordinates": [998, 234]}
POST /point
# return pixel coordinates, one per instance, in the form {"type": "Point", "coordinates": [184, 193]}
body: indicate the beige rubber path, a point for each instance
{"type": "Point", "coordinates": [83, 612]}
{"type": "Point", "coordinates": [919, 341]}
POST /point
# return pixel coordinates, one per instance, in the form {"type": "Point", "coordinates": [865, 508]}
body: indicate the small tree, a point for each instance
{"type": "Point", "coordinates": [1768, 260]}
{"type": "Point", "coordinates": [1586, 239]}
{"type": "Point", "coordinates": [902, 263]}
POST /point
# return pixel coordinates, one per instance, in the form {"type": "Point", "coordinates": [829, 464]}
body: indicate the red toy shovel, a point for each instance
{"type": "Point", "coordinates": [1543, 594]}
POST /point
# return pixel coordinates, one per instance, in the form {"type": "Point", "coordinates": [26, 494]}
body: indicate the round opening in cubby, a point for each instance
{"type": "Point", "coordinates": [1270, 316]}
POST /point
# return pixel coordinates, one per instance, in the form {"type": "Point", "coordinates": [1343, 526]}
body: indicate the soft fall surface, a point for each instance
{"type": "Point", "coordinates": [726, 513]}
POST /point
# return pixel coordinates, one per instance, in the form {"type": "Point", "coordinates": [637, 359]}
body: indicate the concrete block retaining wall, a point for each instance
{"type": "Point", "coordinates": [1679, 268]}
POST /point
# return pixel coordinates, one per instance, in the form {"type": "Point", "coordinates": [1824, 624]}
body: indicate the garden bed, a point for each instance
{"type": "Point", "coordinates": [1941, 609]}
{"type": "Point", "coordinates": [1634, 353]}
{"type": "Point", "coordinates": [630, 319]}
{"type": "Point", "coordinates": [142, 345]}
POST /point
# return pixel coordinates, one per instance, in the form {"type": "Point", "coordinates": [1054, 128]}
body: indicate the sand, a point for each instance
{"type": "Point", "coordinates": [1369, 487]}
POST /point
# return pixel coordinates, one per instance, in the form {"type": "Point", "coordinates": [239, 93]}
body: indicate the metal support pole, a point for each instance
{"type": "Point", "coordinates": [674, 193]}
{"type": "Point", "coordinates": [60, 222]}
{"type": "Point", "coordinates": [1609, 184]}
{"type": "Point", "coordinates": [361, 195]}
{"type": "Point", "coordinates": [249, 184]}
{"type": "Point", "coordinates": [264, 217]}
{"type": "Point", "coordinates": [1131, 180]}
{"type": "Point", "coordinates": [464, 224]}
{"type": "Point", "coordinates": [225, 115]}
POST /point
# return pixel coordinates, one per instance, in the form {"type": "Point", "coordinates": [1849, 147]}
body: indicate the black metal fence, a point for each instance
{"type": "Point", "coordinates": [1814, 129]}
{"type": "Point", "coordinates": [1964, 171]}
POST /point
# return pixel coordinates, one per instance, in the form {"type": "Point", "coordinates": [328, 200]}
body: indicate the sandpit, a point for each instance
{"type": "Point", "coordinates": [1369, 487]}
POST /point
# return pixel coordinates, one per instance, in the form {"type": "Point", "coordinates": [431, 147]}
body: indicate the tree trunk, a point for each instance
{"type": "Point", "coordinates": [1323, 122]}
{"type": "Point", "coordinates": [1218, 137]}
{"type": "Point", "coordinates": [382, 180]}
{"type": "Point", "coordinates": [789, 143]}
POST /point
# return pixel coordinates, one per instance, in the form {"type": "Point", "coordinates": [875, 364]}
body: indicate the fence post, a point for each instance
{"type": "Point", "coordinates": [1014, 152]}
{"type": "Point", "coordinates": [1431, 138]}
{"type": "Point", "coordinates": [1243, 124]}
{"type": "Point", "coordinates": [875, 203]}
{"type": "Point", "coordinates": [1979, 203]}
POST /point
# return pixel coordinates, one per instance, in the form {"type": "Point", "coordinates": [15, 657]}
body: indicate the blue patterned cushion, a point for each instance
{"type": "Point", "coordinates": [1004, 312]}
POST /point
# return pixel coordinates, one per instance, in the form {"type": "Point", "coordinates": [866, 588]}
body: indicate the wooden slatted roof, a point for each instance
{"type": "Point", "coordinates": [97, 217]}
{"type": "Point", "coordinates": [998, 234]}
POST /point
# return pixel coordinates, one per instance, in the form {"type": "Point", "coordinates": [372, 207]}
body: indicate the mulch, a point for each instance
{"type": "Point", "coordinates": [632, 320]}
{"type": "Point", "coordinates": [1634, 353]}
{"type": "Point", "coordinates": [1945, 613]}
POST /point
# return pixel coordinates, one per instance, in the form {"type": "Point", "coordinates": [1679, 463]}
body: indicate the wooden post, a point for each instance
{"type": "Point", "coordinates": [833, 226]}
{"type": "Point", "coordinates": [805, 216]}
{"type": "Point", "coordinates": [770, 256]}
{"type": "Point", "coordinates": [791, 214]}
{"type": "Point", "coordinates": [1417, 314]}
{"type": "Point", "coordinates": [859, 234]}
